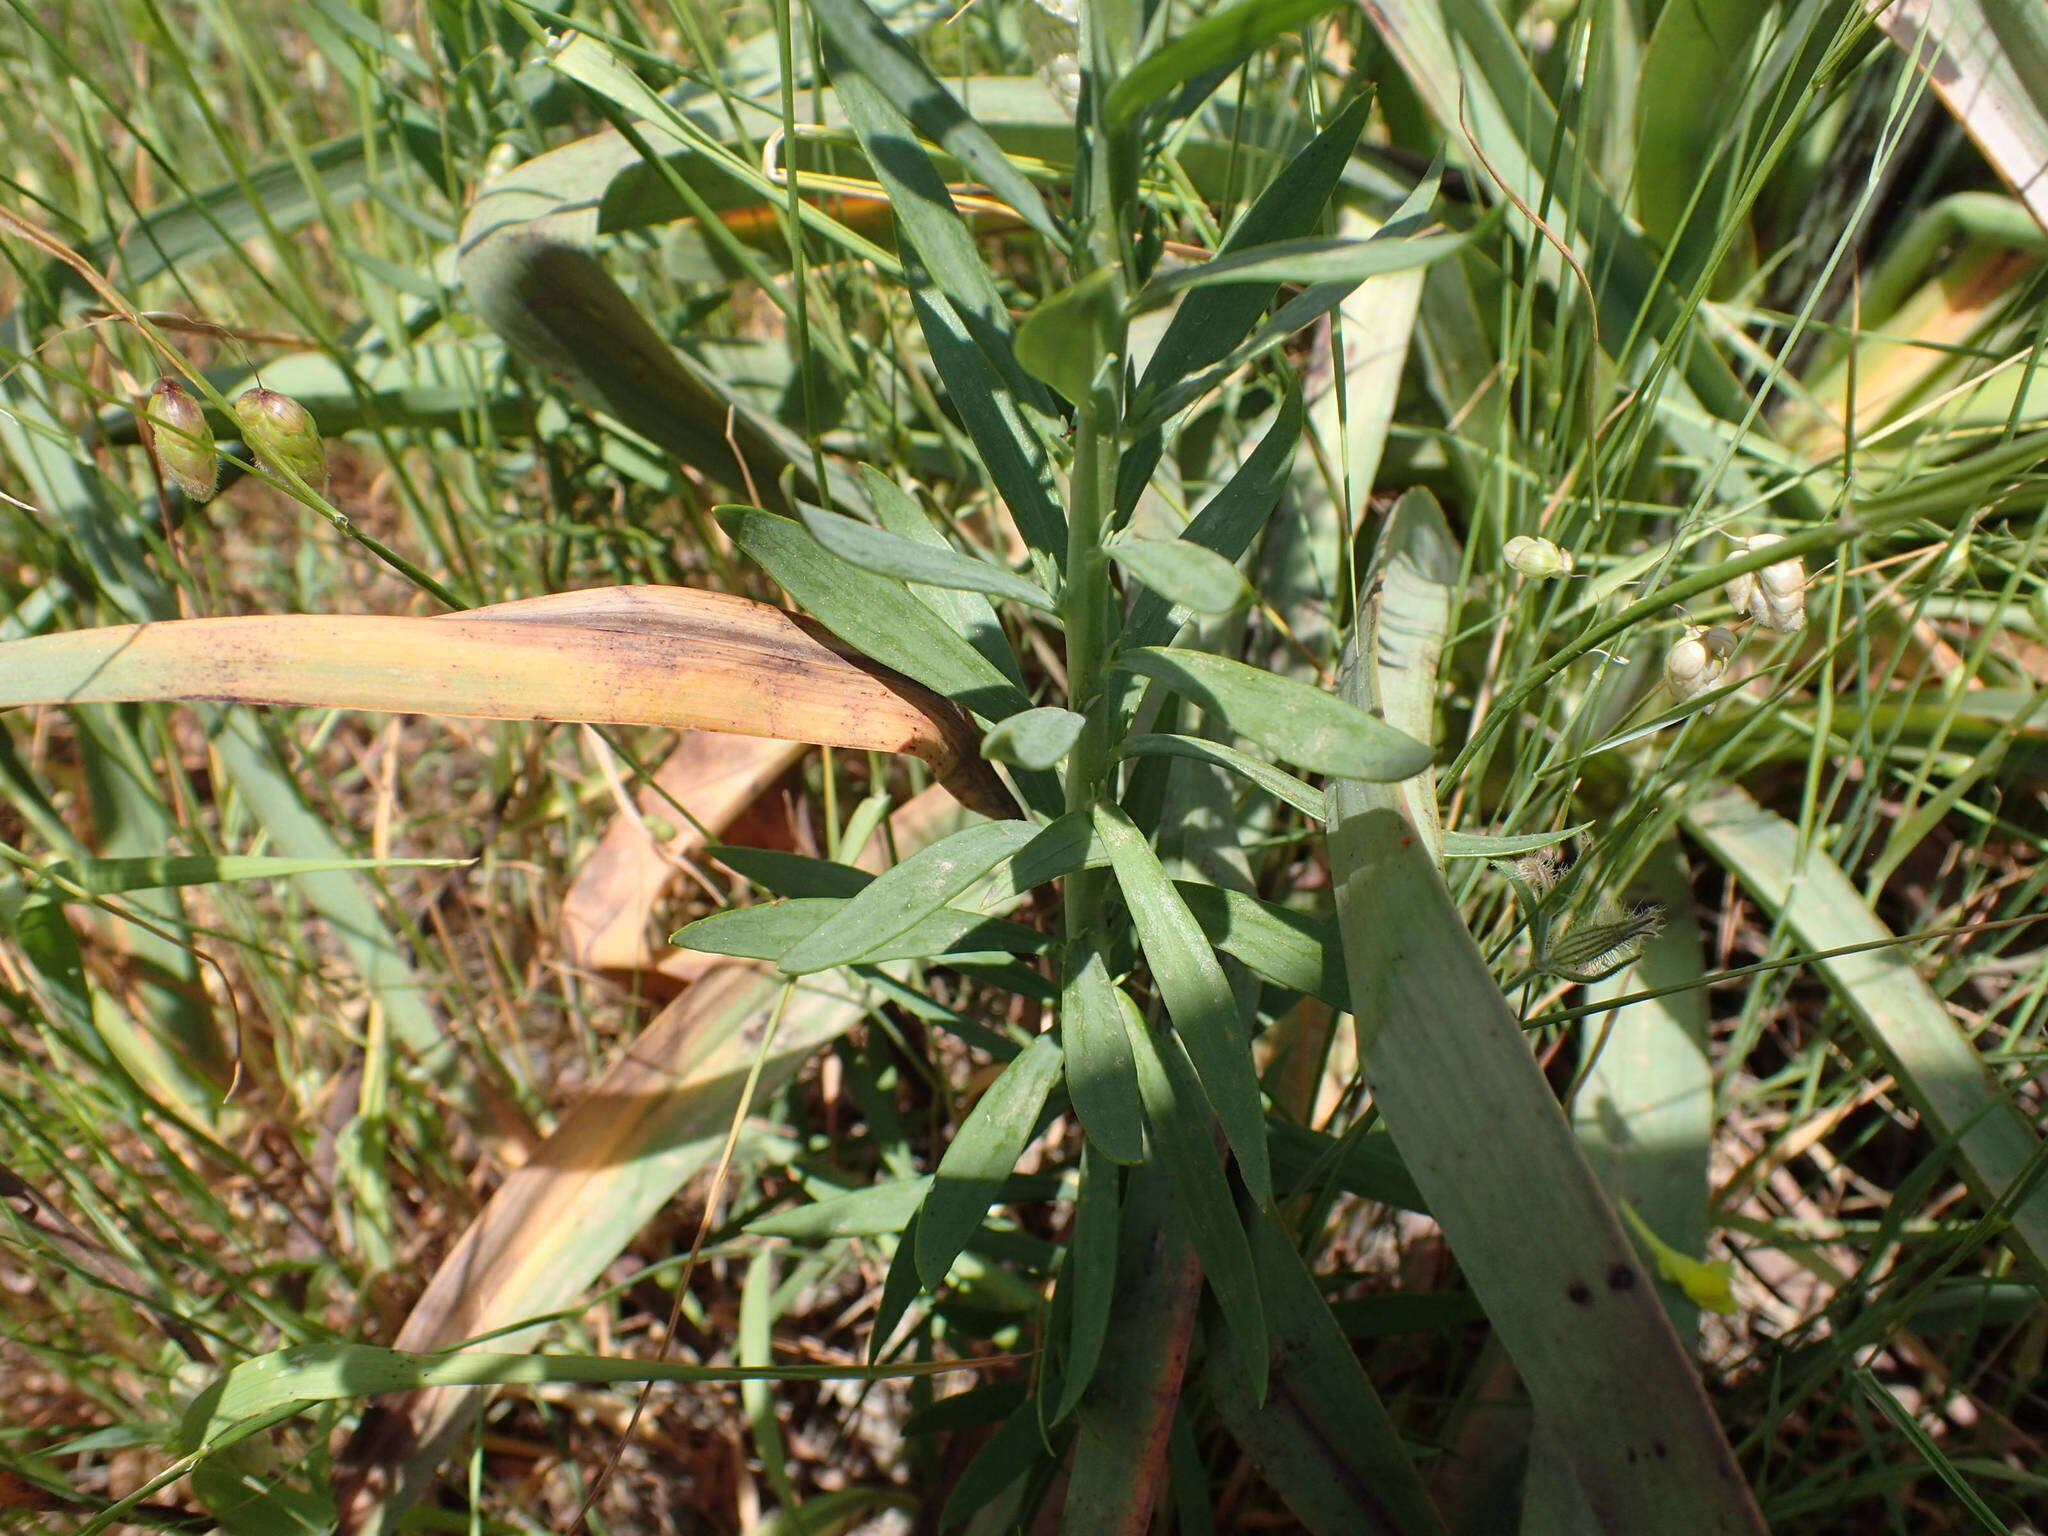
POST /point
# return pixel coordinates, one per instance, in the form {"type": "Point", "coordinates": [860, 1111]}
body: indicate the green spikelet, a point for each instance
{"type": "Point", "coordinates": [181, 439]}
{"type": "Point", "coordinates": [282, 435]}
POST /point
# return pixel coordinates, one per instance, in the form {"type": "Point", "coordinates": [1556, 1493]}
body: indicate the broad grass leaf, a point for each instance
{"type": "Point", "coordinates": [1182, 570]}
{"type": "Point", "coordinates": [1197, 994]}
{"type": "Point", "coordinates": [1102, 1080]}
{"type": "Point", "coordinates": [906, 894]}
{"type": "Point", "coordinates": [1037, 738]}
{"type": "Point", "coordinates": [982, 1156]}
{"type": "Point", "coordinates": [1323, 1439]}
{"type": "Point", "coordinates": [877, 550]}
{"type": "Point", "coordinates": [1290, 718]}
{"type": "Point", "coordinates": [873, 613]}
{"type": "Point", "coordinates": [1902, 1017]}
{"type": "Point", "coordinates": [1481, 1131]}
{"type": "Point", "coordinates": [1184, 1143]}
{"type": "Point", "coordinates": [1087, 1282]}
{"type": "Point", "coordinates": [1219, 40]}
{"type": "Point", "coordinates": [623, 655]}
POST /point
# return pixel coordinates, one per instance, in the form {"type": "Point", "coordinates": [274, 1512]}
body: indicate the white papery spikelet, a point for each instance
{"type": "Point", "coordinates": [1696, 661]}
{"type": "Point", "coordinates": [1052, 31]}
{"type": "Point", "coordinates": [1774, 596]}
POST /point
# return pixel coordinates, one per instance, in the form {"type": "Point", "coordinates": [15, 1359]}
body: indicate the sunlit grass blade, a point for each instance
{"type": "Point", "coordinates": [1938, 1069]}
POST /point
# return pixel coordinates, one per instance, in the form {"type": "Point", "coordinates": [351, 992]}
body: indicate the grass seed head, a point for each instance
{"type": "Point", "coordinates": [1776, 595]}
{"type": "Point", "coordinates": [1695, 663]}
{"type": "Point", "coordinates": [1537, 558]}
{"type": "Point", "coordinates": [181, 439]}
{"type": "Point", "coordinates": [282, 434]}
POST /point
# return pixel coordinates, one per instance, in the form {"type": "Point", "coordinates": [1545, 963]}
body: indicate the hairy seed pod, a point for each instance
{"type": "Point", "coordinates": [1774, 596]}
{"type": "Point", "coordinates": [1695, 663]}
{"type": "Point", "coordinates": [178, 435]}
{"type": "Point", "coordinates": [281, 433]}
{"type": "Point", "coordinates": [1052, 31]}
{"type": "Point", "coordinates": [1537, 558]}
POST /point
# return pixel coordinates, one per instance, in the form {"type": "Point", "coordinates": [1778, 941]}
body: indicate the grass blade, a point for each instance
{"type": "Point", "coordinates": [1935, 1063]}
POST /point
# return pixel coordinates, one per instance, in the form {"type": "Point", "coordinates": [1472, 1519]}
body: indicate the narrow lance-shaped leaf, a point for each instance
{"type": "Point", "coordinates": [1197, 994]}
{"type": "Point", "coordinates": [982, 1156]}
{"type": "Point", "coordinates": [908, 893]}
{"type": "Point", "coordinates": [875, 549]}
{"type": "Point", "coordinates": [1185, 1146]}
{"type": "Point", "coordinates": [1087, 1283]}
{"type": "Point", "coordinates": [873, 614]}
{"type": "Point", "coordinates": [1220, 39]}
{"type": "Point", "coordinates": [1101, 1079]}
{"type": "Point", "coordinates": [1323, 1438]}
{"type": "Point", "coordinates": [1289, 718]}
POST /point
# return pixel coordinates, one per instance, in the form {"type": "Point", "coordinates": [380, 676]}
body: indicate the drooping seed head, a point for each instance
{"type": "Point", "coordinates": [181, 439]}
{"type": "Point", "coordinates": [1537, 558]}
{"type": "Point", "coordinates": [1696, 661]}
{"type": "Point", "coordinates": [1776, 595]}
{"type": "Point", "coordinates": [282, 435]}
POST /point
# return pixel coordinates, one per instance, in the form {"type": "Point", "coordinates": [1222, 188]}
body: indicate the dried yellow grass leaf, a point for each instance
{"type": "Point", "coordinates": [615, 655]}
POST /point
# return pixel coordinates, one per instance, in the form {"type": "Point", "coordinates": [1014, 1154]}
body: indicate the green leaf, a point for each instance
{"type": "Point", "coordinates": [1037, 738]}
{"type": "Point", "coordinates": [880, 1210]}
{"type": "Point", "coordinates": [770, 931]}
{"type": "Point", "coordinates": [1214, 320]}
{"type": "Point", "coordinates": [1066, 337]}
{"type": "Point", "coordinates": [1184, 1144]}
{"type": "Point", "coordinates": [1306, 261]}
{"type": "Point", "coordinates": [1937, 1067]}
{"type": "Point", "coordinates": [1289, 718]}
{"type": "Point", "coordinates": [1323, 1439]}
{"type": "Point", "coordinates": [1482, 845]}
{"type": "Point", "coordinates": [1197, 994]}
{"type": "Point", "coordinates": [1218, 41]}
{"type": "Point", "coordinates": [1012, 451]}
{"type": "Point", "coordinates": [1289, 948]}
{"type": "Point", "coordinates": [873, 549]}
{"type": "Point", "coordinates": [1087, 1284]}
{"type": "Point", "coordinates": [1190, 575]}
{"type": "Point", "coordinates": [1232, 517]}
{"type": "Point", "coordinates": [1281, 785]}
{"type": "Point", "coordinates": [1481, 1131]}
{"type": "Point", "coordinates": [906, 894]}
{"type": "Point", "coordinates": [876, 615]}
{"type": "Point", "coordinates": [870, 50]}
{"type": "Point", "coordinates": [971, 1174]}
{"type": "Point", "coordinates": [971, 613]}
{"type": "Point", "coordinates": [1101, 1079]}
{"type": "Point", "coordinates": [104, 877]}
